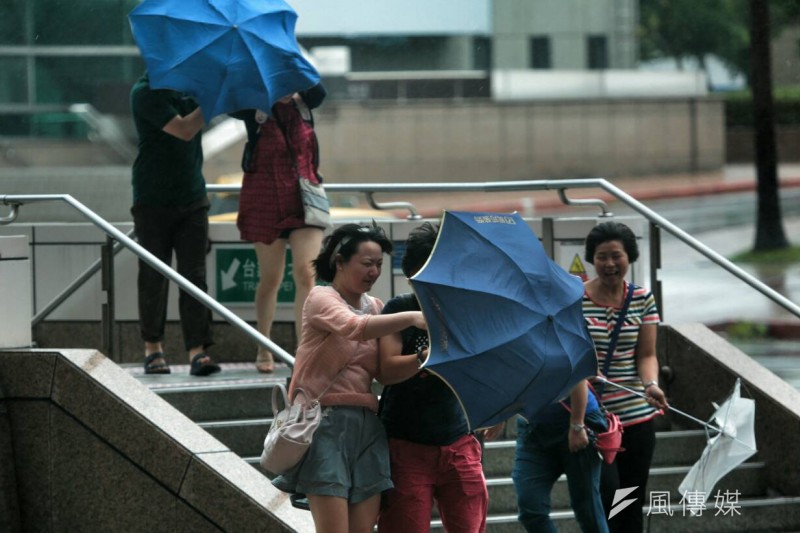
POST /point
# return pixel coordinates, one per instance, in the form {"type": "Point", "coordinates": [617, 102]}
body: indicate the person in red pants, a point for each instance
{"type": "Point", "coordinates": [433, 455]}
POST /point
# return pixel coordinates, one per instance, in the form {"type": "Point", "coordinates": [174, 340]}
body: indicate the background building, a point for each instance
{"type": "Point", "coordinates": [451, 90]}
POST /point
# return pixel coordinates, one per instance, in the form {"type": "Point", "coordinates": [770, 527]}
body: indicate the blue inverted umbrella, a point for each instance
{"type": "Point", "coordinates": [228, 54]}
{"type": "Point", "coordinates": [505, 322]}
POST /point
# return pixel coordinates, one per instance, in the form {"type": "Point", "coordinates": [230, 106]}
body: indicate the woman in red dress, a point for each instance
{"type": "Point", "coordinates": [280, 149]}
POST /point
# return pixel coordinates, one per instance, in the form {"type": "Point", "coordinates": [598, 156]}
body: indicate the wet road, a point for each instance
{"type": "Point", "coordinates": [697, 290]}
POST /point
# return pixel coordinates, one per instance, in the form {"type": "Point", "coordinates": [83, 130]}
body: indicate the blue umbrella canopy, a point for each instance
{"type": "Point", "coordinates": [227, 54]}
{"type": "Point", "coordinates": [505, 322]}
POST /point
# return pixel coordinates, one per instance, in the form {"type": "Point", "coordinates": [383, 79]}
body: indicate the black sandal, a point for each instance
{"type": "Point", "coordinates": [203, 369]}
{"type": "Point", "coordinates": [153, 368]}
{"type": "Point", "coordinates": [300, 501]}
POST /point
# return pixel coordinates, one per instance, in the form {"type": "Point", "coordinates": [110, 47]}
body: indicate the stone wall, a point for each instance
{"type": "Point", "coordinates": [424, 141]}
{"type": "Point", "coordinates": [94, 450]}
{"type": "Point", "coordinates": [701, 367]}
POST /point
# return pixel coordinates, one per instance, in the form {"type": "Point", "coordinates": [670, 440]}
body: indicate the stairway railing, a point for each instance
{"type": "Point", "coordinates": [19, 200]}
{"type": "Point", "coordinates": [657, 223]}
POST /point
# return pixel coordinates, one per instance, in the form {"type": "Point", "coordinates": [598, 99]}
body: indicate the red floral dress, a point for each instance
{"type": "Point", "coordinates": [270, 202]}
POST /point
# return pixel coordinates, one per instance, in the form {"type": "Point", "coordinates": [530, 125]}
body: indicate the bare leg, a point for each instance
{"type": "Point", "coordinates": [305, 244]}
{"type": "Point", "coordinates": [153, 347]}
{"type": "Point", "coordinates": [330, 513]}
{"type": "Point", "coordinates": [334, 515]}
{"type": "Point", "coordinates": [271, 259]}
{"type": "Point", "coordinates": [363, 515]}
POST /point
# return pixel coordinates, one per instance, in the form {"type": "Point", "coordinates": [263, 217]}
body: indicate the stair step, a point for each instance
{"type": "Point", "coordinates": [677, 447]}
{"type": "Point", "coordinates": [233, 394]}
{"type": "Point", "coordinates": [748, 479]}
{"type": "Point", "coordinates": [754, 514]}
{"type": "Point", "coordinates": [235, 407]}
{"type": "Point", "coordinates": [243, 437]}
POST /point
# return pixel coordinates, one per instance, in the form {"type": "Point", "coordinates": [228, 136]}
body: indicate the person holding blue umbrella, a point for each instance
{"type": "Point", "coordinates": [170, 214]}
{"type": "Point", "coordinates": [280, 148]}
{"type": "Point", "coordinates": [434, 455]}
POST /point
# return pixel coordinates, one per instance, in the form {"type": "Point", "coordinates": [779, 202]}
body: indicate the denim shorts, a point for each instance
{"type": "Point", "coordinates": [348, 458]}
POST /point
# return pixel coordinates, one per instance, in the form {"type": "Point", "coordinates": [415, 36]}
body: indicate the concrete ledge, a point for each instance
{"type": "Point", "coordinates": [9, 503]}
{"type": "Point", "coordinates": [703, 368]}
{"type": "Point", "coordinates": [94, 449]}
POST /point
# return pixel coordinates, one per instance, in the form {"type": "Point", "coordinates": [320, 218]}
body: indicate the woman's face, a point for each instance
{"type": "Point", "coordinates": [362, 270]}
{"type": "Point", "coordinates": [611, 262]}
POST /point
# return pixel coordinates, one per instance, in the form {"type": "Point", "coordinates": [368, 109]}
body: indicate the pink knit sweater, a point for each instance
{"type": "Point", "coordinates": [331, 339]}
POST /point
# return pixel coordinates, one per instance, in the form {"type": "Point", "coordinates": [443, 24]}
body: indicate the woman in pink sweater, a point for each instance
{"type": "Point", "coordinates": [347, 465]}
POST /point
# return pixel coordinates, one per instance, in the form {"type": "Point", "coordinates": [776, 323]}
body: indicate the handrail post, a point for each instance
{"type": "Point", "coordinates": [108, 318]}
{"type": "Point", "coordinates": [548, 242]}
{"type": "Point", "coordinates": [655, 266]}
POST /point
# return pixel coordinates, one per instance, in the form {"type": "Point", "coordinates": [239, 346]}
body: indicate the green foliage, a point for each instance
{"type": "Point", "coordinates": [682, 29]}
{"type": "Point", "coordinates": [747, 330]}
{"type": "Point", "coordinates": [783, 256]}
{"type": "Point", "coordinates": [739, 108]}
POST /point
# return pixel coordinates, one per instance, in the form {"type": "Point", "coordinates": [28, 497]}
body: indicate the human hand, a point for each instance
{"type": "Point", "coordinates": [656, 397]}
{"type": "Point", "coordinates": [493, 432]}
{"type": "Point", "coordinates": [577, 440]}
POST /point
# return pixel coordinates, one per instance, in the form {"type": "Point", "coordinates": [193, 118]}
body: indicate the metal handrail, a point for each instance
{"type": "Point", "coordinates": [371, 189]}
{"type": "Point", "coordinates": [156, 263]}
{"type": "Point", "coordinates": [561, 186]}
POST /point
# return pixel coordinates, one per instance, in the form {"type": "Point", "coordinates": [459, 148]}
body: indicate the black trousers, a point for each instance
{"type": "Point", "coordinates": [184, 230]}
{"type": "Point", "coordinates": [631, 468]}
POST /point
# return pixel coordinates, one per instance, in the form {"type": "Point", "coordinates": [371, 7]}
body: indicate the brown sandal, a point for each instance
{"type": "Point", "coordinates": [265, 363]}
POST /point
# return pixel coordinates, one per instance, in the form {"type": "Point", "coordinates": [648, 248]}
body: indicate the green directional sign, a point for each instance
{"type": "Point", "coordinates": [237, 276]}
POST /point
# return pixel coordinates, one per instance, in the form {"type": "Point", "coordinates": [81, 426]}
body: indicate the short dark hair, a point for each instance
{"type": "Point", "coordinates": [343, 242]}
{"type": "Point", "coordinates": [612, 231]}
{"type": "Point", "coordinates": [419, 246]}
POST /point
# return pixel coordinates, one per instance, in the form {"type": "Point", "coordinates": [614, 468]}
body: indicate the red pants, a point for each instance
{"type": "Point", "coordinates": [451, 475]}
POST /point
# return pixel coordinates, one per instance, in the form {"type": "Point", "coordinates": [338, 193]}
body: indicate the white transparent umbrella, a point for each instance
{"type": "Point", "coordinates": [730, 441]}
{"type": "Point", "coordinates": [734, 443]}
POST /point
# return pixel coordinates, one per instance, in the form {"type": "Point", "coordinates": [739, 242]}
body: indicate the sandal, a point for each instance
{"type": "Point", "coordinates": [151, 367]}
{"type": "Point", "coordinates": [300, 501]}
{"type": "Point", "coordinates": [264, 363]}
{"type": "Point", "coordinates": [199, 368]}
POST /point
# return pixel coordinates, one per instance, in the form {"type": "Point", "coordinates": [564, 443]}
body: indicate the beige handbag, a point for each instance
{"type": "Point", "coordinates": [292, 429]}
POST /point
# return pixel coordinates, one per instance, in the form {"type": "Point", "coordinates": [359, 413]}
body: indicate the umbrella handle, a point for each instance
{"type": "Point", "coordinates": [671, 408]}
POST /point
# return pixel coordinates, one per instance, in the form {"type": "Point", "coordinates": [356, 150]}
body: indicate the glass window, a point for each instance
{"type": "Point", "coordinates": [13, 87]}
{"type": "Point", "coordinates": [540, 52]}
{"type": "Point", "coordinates": [482, 53]}
{"type": "Point", "coordinates": [66, 80]}
{"type": "Point", "coordinates": [597, 52]}
{"type": "Point", "coordinates": [12, 22]}
{"type": "Point", "coordinates": [82, 22]}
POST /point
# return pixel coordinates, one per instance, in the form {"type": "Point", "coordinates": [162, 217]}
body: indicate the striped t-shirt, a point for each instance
{"type": "Point", "coordinates": [601, 321]}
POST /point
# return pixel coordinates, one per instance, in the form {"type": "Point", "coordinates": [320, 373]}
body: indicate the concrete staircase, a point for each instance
{"type": "Point", "coordinates": [234, 406]}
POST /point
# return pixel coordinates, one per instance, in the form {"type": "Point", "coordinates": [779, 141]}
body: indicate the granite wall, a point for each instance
{"type": "Point", "coordinates": [86, 447]}
{"type": "Point", "coordinates": [699, 366]}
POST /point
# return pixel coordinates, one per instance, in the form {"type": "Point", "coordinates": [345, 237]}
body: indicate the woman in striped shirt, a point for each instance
{"type": "Point", "coordinates": [611, 247]}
